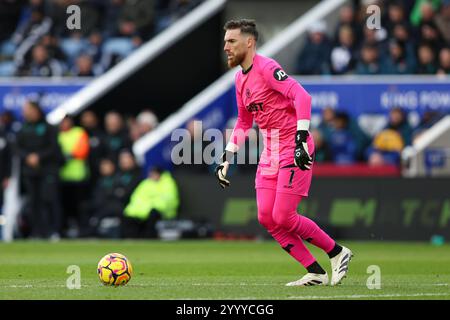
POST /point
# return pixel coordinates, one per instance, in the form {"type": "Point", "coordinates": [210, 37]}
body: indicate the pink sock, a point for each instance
{"type": "Point", "coordinates": [311, 232]}
{"type": "Point", "coordinates": [293, 245]}
{"type": "Point", "coordinates": [286, 216]}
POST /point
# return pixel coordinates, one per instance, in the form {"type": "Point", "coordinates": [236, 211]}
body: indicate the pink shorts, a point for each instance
{"type": "Point", "coordinates": [288, 179]}
{"type": "Point", "coordinates": [279, 172]}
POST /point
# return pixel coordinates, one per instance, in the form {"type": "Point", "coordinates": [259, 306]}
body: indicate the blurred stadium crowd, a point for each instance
{"type": "Point", "coordinates": [35, 41]}
{"type": "Point", "coordinates": [413, 38]}
{"type": "Point", "coordinates": [340, 139]}
{"type": "Point", "coordinates": [83, 180]}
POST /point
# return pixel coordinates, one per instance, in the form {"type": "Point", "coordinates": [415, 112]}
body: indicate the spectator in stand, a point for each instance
{"type": "Point", "coordinates": [112, 193]}
{"type": "Point", "coordinates": [155, 198]}
{"type": "Point", "coordinates": [401, 33]}
{"type": "Point", "coordinates": [388, 144]}
{"type": "Point", "coordinates": [342, 143]}
{"type": "Point", "coordinates": [127, 178]}
{"type": "Point", "coordinates": [343, 55]}
{"type": "Point", "coordinates": [134, 24]}
{"type": "Point", "coordinates": [146, 121]}
{"type": "Point", "coordinates": [5, 163]}
{"type": "Point", "coordinates": [442, 20]}
{"type": "Point", "coordinates": [84, 67]}
{"type": "Point", "coordinates": [369, 63]}
{"type": "Point", "coordinates": [51, 43]}
{"type": "Point", "coordinates": [10, 124]}
{"type": "Point", "coordinates": [58, 15]}
{"type": "Point", "coordinates": [347, 17]}
{"type": "Point", "coordinates": [396, 15]}
{"type": "Point", "coordinates": [322, 151]}
{"type": "Point", "coordinates": [397, 61]}
{"type": "Point", "coordinates": [139, 15]}
{"type": "Point", "coordinates": [133, 128]}
{"type": "Point", "coordinates": [40, 155]}
{"type": "Point", "coordinates": [73, 47]}
{"type": "Point", "coordinates": [112, 11]}
{"type": "Point", "coordinates": [424, 11]}
{"type": "Point", "coordinates": [89, 122]}
{"type": "Point", "coordinates": [116, 138]}
{"type": "Point", "coordinates": [362, 140]}
{"type": "Point", "coordinates": [377, 159]}
{"type": "Point", "coordinates": [94, 47]}
{"type": "Point", "coordinates": [74, 175]}
{"type": "Point", "coordinates": [444, 61]}
{"type": "Point", "coordinates": [121, 45]}
{"type": "Point", "coordinates": [429, 33]}
{"type": "Point", "coordinates": [426, 60]}
{"type": "Point", "coordinates": [111, 30]}
{"type": "Point", "coordinates": [313, 59]}
{"type": "Point", "coordinates": [407, 6]}
{"type": "Point", "coordinates": [42, 65]}
{"type": "Point", "coordinates": [386, 149]}
{"type": "Point", "coordinates": [327, 127]}
{"type": "Point", "coordinates": [399, 123]}
{"type": "Point", "coordinates": [377, 38]}
{"type": "Point", "coordinates": [102, 203]}
{"type": "Point", "coordinates": [28, 34]}
{"type": "Point", "coordinates": [127, 29]}
{"type": "Point", "coordinates": [327, 124]}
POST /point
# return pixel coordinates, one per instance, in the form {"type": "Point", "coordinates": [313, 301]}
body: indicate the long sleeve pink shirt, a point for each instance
{"type": "Point", "coordinates": [275, 101]}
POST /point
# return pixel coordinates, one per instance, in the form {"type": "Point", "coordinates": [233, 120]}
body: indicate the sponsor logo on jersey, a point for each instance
{"type": "Point", "coordinates": [255, 107]}
{"type": "Point", "coordinates": [280, 75]}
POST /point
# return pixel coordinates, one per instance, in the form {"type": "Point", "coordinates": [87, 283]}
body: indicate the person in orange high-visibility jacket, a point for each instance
{"type": "Point", "coordinates": [74, 175]}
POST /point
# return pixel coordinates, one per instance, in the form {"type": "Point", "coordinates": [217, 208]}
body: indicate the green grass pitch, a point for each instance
{"type": "Point", "coordinates": [219, 270]}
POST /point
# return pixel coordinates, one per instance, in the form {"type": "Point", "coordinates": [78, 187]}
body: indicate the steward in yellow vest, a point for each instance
{"type": "Point", "coordinates": [74, 142]}
{"type": "Point", "coordinates": [154, 199]}
{"type": "Point", "coordinates": [74, 176]}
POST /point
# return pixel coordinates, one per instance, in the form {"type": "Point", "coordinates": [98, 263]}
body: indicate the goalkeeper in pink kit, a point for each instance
{"type": "Point", "coordinates": [282, 109]}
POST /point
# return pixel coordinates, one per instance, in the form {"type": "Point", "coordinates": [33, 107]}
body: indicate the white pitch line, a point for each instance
{"type": "Point", "coordinates": [355, 296]}
{"type": "Point", "coordinates": [361, 296]}
{"type": "Point", "coordinates": [40, 286]}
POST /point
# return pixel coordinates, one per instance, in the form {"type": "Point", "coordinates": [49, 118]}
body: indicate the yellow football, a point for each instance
{"type": "Point", "coordinates": [114, 269]}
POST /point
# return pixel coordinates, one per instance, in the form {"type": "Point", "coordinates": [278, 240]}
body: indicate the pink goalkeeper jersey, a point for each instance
{"type": "Point", "coordinates": [275, 101]}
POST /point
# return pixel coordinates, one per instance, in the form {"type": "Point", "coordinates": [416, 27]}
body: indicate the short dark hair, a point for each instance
{"type": "Point", "coordinates": [35, 105]}
{"type": "Point", "coordinates": [247, 26]}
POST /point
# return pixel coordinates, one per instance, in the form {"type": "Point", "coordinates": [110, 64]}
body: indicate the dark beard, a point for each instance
{"type": "Point", "coordinates": [236, 61]}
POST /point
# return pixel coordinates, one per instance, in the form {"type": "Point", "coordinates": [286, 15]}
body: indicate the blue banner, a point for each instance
{"type": "Point", "coordinates": [362, 97]}
{"type": "Point", "coordinates": [49, 93]}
